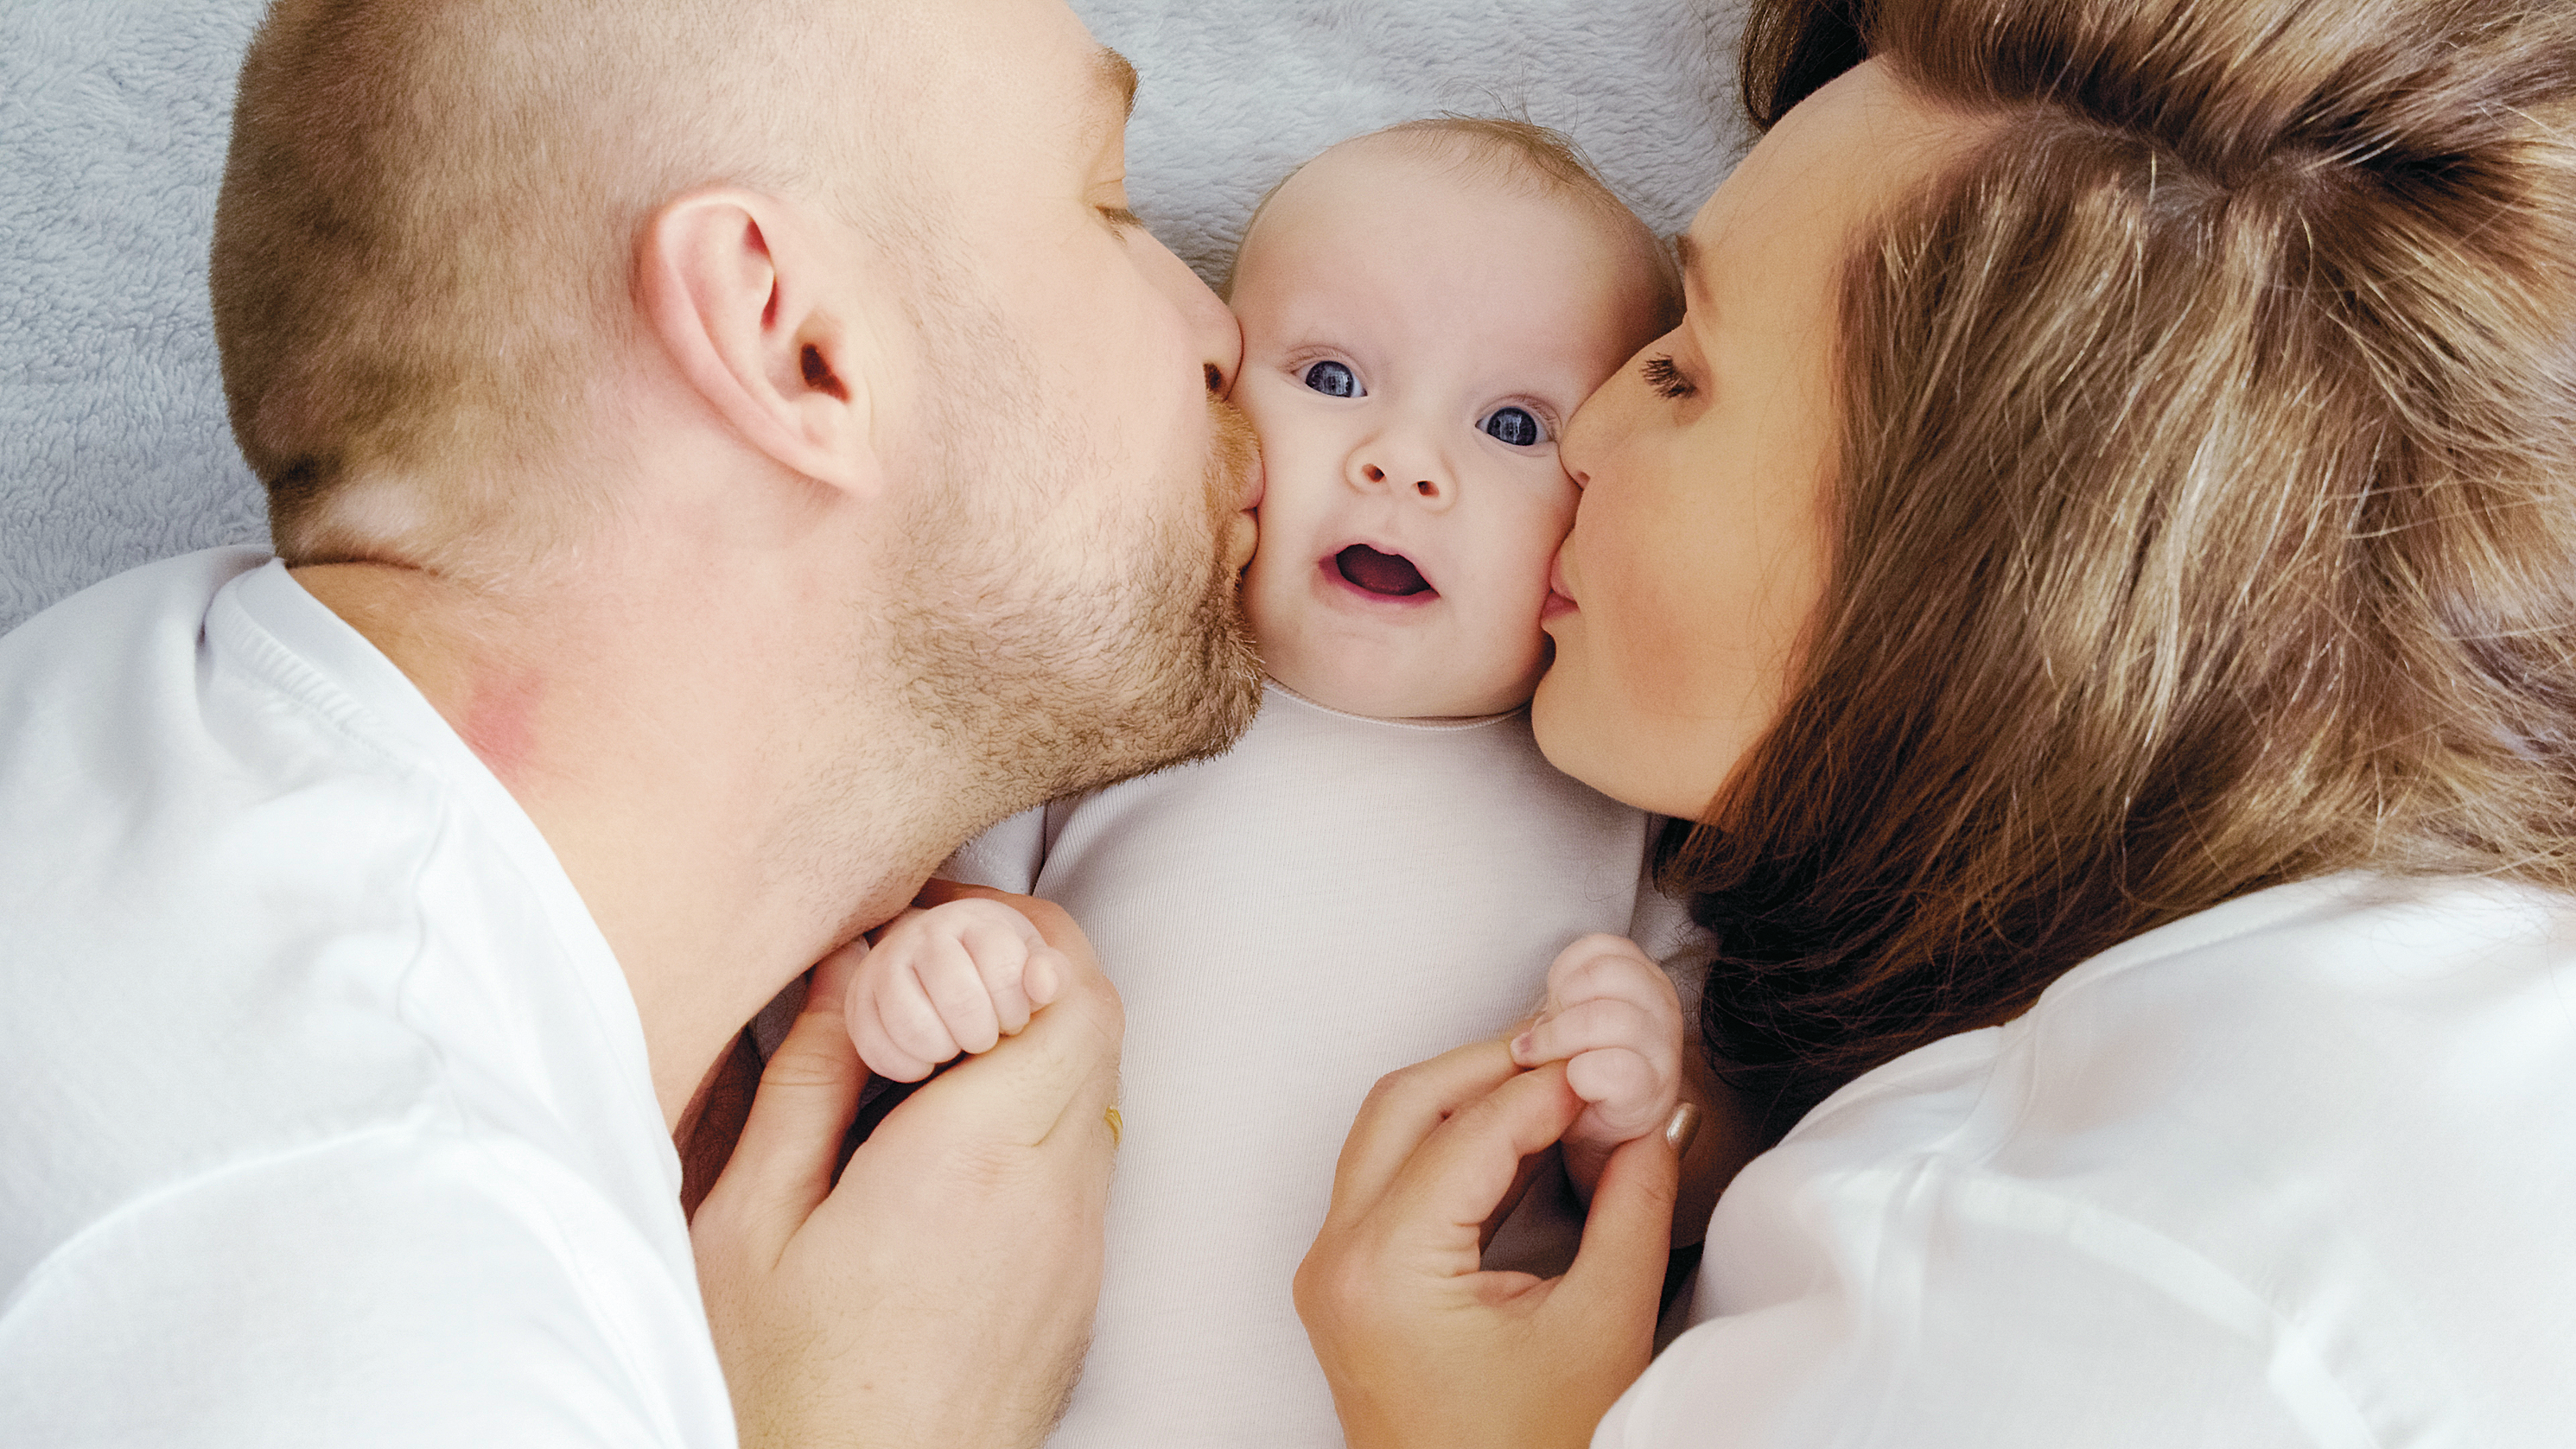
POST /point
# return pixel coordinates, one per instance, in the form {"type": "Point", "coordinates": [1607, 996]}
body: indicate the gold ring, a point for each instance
{"type": "Point", "coordinates": [1117, 1128]}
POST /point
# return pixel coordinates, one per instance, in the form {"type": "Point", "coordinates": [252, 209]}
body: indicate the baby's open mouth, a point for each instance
{"type": "Point", "coordinates": [1391, 574]}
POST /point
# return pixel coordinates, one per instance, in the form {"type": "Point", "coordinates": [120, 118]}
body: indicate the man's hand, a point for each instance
{"type": "Point", "coordinates": [1421, 1345]}
{"type": "Point", "coordinates": [942, 1293]}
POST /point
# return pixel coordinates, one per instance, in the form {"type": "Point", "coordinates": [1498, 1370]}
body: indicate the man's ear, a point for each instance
{"type": "Point", "coordinates": [740, 291]}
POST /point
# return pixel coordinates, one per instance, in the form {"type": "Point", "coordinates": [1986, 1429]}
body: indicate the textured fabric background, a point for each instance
{"type": "Point", "coordinates": [113, 114]}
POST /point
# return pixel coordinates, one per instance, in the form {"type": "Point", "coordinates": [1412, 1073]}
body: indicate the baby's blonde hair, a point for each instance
{"type": "Point", "coordinates": [1513, 152]}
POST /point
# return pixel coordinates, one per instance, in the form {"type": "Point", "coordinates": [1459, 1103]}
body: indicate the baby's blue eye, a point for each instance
{"type": "Point", "coordinates": [1515, 426]}
{"type": "Point", "coordinates": [1332, 379]}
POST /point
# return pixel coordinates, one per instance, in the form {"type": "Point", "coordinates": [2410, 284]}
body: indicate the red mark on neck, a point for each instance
{"type": "Point", "coordinates": [500, 722]}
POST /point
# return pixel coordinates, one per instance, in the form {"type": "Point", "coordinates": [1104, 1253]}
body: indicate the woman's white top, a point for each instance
{"type": "Point", "coordinates": [2300, 1170]}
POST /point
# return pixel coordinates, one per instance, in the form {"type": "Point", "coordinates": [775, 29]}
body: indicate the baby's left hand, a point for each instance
{"type": "Point", "coordinates": [1613, 1018]}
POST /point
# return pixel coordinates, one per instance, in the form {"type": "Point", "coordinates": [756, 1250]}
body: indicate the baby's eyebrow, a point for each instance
{"type": "Point", "coordinates": [1686, 252]}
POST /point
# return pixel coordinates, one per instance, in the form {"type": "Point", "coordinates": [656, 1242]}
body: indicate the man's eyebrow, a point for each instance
{"type": "Point", "coordinates": [1687, 253]}
{"type": "Point", "coordinates": [1117, 76]}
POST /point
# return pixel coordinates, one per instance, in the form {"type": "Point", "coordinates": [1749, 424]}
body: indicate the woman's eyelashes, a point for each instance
{"type": "Point", "coordinates": [1334, 379]}
{"type": "Point", "coordinates": [1517, 426]}
{"type": "Point", "coordinates": [1664, 379]}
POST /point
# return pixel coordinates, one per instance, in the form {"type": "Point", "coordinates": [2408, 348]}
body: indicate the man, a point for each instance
{"type": "Point", "coordinates": [721, 455]}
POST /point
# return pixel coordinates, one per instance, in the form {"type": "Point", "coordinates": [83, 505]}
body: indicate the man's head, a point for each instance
{"type": "Point", "coordinates": [1423, 309]}
{"type": "Point", "coordinates": [843, 296]}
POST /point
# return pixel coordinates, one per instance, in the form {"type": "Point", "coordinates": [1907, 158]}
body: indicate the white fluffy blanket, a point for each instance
{"type": "Point", "coordinates": [113, 115]}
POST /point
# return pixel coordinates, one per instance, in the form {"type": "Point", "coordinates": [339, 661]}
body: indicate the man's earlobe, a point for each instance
{"type": "Point", "coordinates": [737, 288]}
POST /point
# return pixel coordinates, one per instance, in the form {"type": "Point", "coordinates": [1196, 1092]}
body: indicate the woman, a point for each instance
{"type": "Point", "coordinates": [2099, 555]}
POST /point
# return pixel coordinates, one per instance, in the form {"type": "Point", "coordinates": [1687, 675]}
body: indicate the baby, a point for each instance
{"type": "Point", "coordinates": [1385, 866]}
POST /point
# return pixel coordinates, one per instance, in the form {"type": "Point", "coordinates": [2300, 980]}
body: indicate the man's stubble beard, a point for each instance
{"type": "Point", "coordinates": [1050, 647]}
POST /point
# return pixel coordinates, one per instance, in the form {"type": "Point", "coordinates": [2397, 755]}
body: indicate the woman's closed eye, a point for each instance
{"type": "Point", "coordinates": [1665, 380]}
{"type": "Point", "coordinates": [1334, 379]}
{"type": "Point", "coordinates": [1517, 426]}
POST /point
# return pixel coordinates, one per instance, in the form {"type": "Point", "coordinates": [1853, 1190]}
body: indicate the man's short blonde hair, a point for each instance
{"type": "Point", "coordinates": [424, 247]}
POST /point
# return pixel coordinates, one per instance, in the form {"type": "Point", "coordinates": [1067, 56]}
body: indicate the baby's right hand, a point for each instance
{"type": "Point", "coordinates": [1613, 1018]}
{"type": "Point", "coordinates": [957, 977]}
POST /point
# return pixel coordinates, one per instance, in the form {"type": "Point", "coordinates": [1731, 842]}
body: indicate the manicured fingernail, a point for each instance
{"type": "Point", "coordinates": [1520, 1046]}
{"type": "Point", "coordinates": [1681, 1127]}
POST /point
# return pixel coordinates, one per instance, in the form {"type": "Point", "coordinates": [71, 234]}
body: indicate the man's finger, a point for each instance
{"type": "Point", "coordinates": [783, 1164]}
{"type": "Point", "coordinates": [1402, 1110]}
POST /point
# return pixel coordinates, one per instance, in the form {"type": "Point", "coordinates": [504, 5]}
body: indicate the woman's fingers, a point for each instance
{"type": "Point", "coordinates": [1403, 1109]}
{"type": "Point", "coordinates": [1420, 1344]}
{"type": "Point", "coordinates": [1591, 1026]}
{"type": "Point", "coordinates": [1627, 1239]}
{"type": "Point", "coordinates": [1451, 1184]}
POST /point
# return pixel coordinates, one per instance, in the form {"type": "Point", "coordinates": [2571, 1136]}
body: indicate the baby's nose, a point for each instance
{"type": "Point", "coordinates": [1427, 487]}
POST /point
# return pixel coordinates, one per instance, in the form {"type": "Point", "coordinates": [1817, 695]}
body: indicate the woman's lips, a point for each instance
{"type": "Point", "coordinates": [1558, 600]}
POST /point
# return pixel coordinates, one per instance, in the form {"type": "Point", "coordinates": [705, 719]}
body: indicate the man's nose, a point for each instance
{"type": "Point", "coordinates": [1212, 328]}
{"type": "Point", "coordinates": [1398, 460]}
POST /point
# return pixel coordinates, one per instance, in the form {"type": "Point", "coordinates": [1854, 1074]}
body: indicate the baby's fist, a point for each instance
{"type": "Point", "coordinates": [1613, 1018]}
{"type": "Point", "coordinates": [957, 977]}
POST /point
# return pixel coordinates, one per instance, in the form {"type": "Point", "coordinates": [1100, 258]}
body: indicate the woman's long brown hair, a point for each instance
{"type": "Point", "coordinates": [2206, 511]}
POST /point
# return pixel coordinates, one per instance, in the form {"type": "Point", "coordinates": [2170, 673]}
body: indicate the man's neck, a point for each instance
{"type": "Point", "coordinates": [662, 743]}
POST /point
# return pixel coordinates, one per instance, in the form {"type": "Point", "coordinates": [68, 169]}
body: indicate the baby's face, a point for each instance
{"type": "Point", "coordinates": [1415, 335]}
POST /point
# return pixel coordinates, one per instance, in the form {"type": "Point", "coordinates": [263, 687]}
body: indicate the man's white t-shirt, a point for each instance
{"type": "Point", "coordinates": [328, 1118]}
{"type": "Point", "coordinates": [2299, 1170]}
{"type": "Point", "coordinates": [1336, 898]}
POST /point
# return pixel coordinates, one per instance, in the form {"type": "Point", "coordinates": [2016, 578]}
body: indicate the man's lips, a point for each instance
{"type": "Point", "coordinates": [1387, 575]}
{"type": "Point", "coordinates": [1558, 600]}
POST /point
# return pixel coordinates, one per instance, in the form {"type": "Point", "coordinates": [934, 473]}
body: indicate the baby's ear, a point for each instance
{"type": "Point", "coordinates": [751, 301]}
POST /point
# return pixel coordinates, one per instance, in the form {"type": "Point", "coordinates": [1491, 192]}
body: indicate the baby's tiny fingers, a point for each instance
{"type": "Point", "coordinates": [1598, 963]}
{"type": "Point", "coordinates": [1044, 975]}
{"type": "Point", "coordinates": [911, 1021]}
{"type": "Point", "coordinates": [1001, 957]}
{"type": "Point", "coordinates": [1626, 1093]}
{"type": "Point", "coordinates": [877, 1048]}
{"type": "Point", "coordinates": [955, 985]}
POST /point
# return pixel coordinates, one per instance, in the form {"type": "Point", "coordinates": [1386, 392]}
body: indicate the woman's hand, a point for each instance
{"type": "Point", "coordinates": [1422, 1346]}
